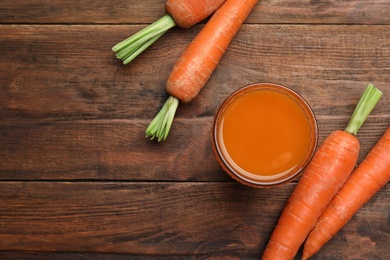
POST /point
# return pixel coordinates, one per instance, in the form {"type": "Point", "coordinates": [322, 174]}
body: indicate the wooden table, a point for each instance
{"type": "Point", "coordinates": [78, 178]}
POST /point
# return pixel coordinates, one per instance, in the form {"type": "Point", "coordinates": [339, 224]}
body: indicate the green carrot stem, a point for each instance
{"type": "Point", "coordinates": [130, 48]}
{"type": "Point", "coordinates": [128, 58]}
{"type": "Point", "coordinates": [161, 124]}
{"type": "Point", "coordinates": [364, 107]}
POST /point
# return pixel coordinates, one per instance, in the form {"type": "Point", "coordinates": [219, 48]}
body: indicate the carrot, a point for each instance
{"type": "Point", "coordinates": [330, 167]}
{"type": "Point", "coordinates": [187, 13]}
{"type": "Point", "coordinates": [370, 176]}
{"type": "Point", "coordinates": [198, 61]}
{"type": "Point", "coordinates": [183, 13]}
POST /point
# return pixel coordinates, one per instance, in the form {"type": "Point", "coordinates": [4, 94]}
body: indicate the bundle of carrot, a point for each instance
{"type": "Point", "coordinates": [330, 167]}
{"type": "Point", "coordinates": [365, 181]}
{"type": "Point", "coordinates": [198, 61]}
{"type": "Point", "coordinates": [183, 13]}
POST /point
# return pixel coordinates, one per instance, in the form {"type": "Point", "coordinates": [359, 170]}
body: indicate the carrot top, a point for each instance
{"type": "Point", "coordinates": [364, 107]}
{"type": "Point", "coordinates": [128, 49]}
{"type": "Point", "coordinates": [161, 124]}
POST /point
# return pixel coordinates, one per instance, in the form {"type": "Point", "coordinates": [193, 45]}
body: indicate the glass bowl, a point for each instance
{"type": "Point", "coordinates": [264, 135]}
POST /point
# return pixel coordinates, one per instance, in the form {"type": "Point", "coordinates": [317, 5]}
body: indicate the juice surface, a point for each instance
{"type": "Point", "coordinates": [265, 133]}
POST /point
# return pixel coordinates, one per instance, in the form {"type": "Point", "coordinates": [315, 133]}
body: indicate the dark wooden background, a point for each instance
{"type": "Point", "coordinates": [78, 178]}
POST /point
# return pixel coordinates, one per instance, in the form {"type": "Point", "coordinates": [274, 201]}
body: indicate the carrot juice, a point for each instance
{"type": "Point", "coordinates": [264, 134]}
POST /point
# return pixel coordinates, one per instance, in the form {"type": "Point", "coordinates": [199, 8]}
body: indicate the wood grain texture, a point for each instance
{"type": "Point", "coordinates": [148, 11]}
{"type": "Point", "coordinates": [118, 150]}
{"type": "Point", "coordinates": [72, 73]}
{"type": "Point", "coordinates": [78, 178]}
{"type": "Point", "coordinates": [174, 219]}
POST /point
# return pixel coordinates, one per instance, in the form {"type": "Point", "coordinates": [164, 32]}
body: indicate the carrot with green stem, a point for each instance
{"type": "Point", "coordinates": [198, 61]}
{"type": "Point", "coordinates": [183, 13]}
{"type": "Point", "coordinates": [330, 167]}
{"type": "Point", "coordinates": [365, 181]}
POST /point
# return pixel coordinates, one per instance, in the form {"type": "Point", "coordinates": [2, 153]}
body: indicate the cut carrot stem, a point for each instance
{"type": "Point", "coordinates": [183, 13]}
{"type": "Point", "coordinates": [330, 167]}
{"type": "Point", "coordinates": [129, 49]}
{"type": "Point", "coordinates": [161, 124]}
{"type": "Point", "coordinates": [366, 104]}
{"type": "Point", "coordinates": [370, 176]}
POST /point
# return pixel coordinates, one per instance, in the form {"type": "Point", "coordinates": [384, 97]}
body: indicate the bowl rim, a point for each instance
{"type": "Point", "coordinates": [309, 113]}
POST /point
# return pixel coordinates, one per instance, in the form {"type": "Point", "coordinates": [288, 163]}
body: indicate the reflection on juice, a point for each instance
{"type": "Point", "coordinates": [265, 133]}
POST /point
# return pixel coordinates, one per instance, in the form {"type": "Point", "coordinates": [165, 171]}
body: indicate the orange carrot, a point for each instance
{"type": "Point", "coordinates": [370, 176]}
{"type": "Point", "coordinates": [187, 13]}
{"type": "Point", "coordinates": [198, 61]}
{"type": "Point", "coordinates": [183, 13]}
{"type": "Point", "coordinates": [330, 167]}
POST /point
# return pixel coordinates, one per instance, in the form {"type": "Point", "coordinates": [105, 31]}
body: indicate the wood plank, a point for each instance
{"type": "Point", "coordinates": [118, 150]}
{"type": "Point", "coordinates": [78, 179]}
{"type": "Point", "coordinates": [86, 11]}
{"type": "Point", "coordinates": [71, 73]}
{"type": "Point", "coordinates": [102, 150]}
{"type": "Point", "coordinates": [178, 219]}
{"type": "Point", "coordinates": [31, 255]}
{"type": "Point", "coordinates": [137, 11]}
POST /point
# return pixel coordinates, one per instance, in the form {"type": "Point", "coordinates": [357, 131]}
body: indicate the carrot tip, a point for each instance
{"type": "Point", "coordinates": [305, 257]}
